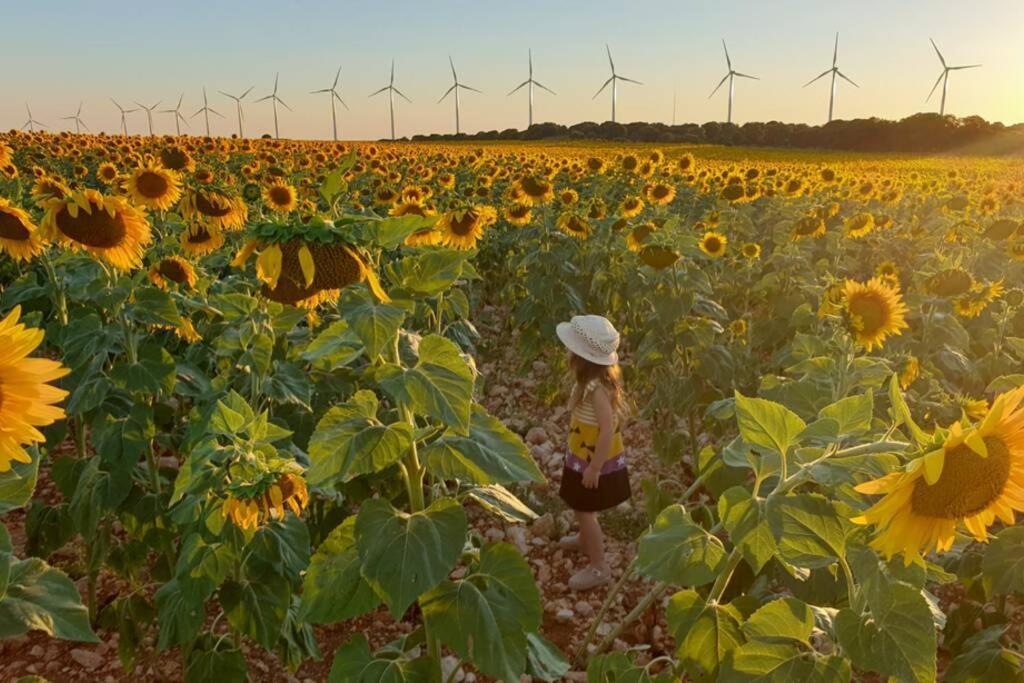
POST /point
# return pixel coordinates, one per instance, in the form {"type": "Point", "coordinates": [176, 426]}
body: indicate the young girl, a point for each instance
{"type": "Point", "coordinates": [595, 477]}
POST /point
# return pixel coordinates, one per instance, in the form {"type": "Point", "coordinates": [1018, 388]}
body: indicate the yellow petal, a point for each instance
{"type": "Point", "coordinates": [244, 253]}
{"type": "Point", "coordinates": [976, 443]}
{"type": "Point", "coordinates": [307, 265]}
{"type": "Point", "coordinates": [995, 414]}
{"type": "Point", "coordinates": [268, 265]}
{"type": "Point", "coordinates": [371, 277]}
{"type": "Point", "coordinates": [933, 463]}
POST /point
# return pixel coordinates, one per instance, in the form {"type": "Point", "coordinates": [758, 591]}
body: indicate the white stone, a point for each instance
{"type": "Point", "coordinates": [87, 658]}
{"type": "Point", "coordinates": [564, 616]}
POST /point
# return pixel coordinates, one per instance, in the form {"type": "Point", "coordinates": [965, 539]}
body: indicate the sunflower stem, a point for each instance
{"type": "Point", "coordinates": [627, 574]}
{"type": "Point", "coordinates": [656, 592]}
{"type": "Point", "coordinates": [59, 299]}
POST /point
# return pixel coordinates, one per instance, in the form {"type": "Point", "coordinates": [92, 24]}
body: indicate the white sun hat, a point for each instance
{"type": "Point", "coordinates": [591, 337]}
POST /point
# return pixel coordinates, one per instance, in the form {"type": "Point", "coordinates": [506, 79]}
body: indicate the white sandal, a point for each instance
{"type": "Point", "coordinates": [589, 577]}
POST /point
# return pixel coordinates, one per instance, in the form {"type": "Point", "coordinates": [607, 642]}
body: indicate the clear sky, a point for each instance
{"type": "Point", "coordinates": [57, 53]}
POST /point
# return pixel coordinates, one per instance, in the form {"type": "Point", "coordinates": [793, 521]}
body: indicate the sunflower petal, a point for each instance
{"type": "Point", "coordinates": [933, 463]}
{"type": "Point", "coordinates": [307, 265]}
{"type": "Point", "coordinates": [268, 265]}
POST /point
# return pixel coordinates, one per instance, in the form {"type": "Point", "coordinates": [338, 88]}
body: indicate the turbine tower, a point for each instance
{"type": "Point", "coordinates": [455, 88]}
{"type": "Point", "coordinates": [124, 116]}
{"type": "Point", "coordinates": [835, 72]}
{"type": "Point", "coordinates": [77, 118]}
{"type": "Point", "coordinates": [275, 100]}
{"type": "Point", "coordinates": [391, 91]}
{"type": "Point", "coordinates": [178, 118]}
{"type": "Point", "coordinates": [944, 78]}
{"type": "Point", "coordinates": [615, 78]}
{"type": "Point", "coordinates": [31, 123]}
{"type": "Point", "coordinates": [730, 76]}
{"type": "Point", "coordinates": [149, 114]}
{"type": "Point", "coordinates": [333, 90]}
{"type": "Point", "coordinates": [530, 82]}
{"type": "Point", "coordinates": [238, 107]}
{"type": "Point", "coordinates": [206, 111]}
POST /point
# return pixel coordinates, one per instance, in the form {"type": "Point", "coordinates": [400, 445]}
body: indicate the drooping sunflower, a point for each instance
{"type": "Point", "coordinates": [974, 302]}
{"type": "Point", "coordinates": [425, 237]}
{"type": "Point", "coordinates": [47, 187]}
{"type": "Point", "coordinates": [714, 244]}
{"type": "Point", "coordinates": [280, 197]}
{"type": "Point", "coordinates": [658, 256]}
{"type": "Point", "coordinates": [909, 371]}
{"type": "Point", "coordinates": [873, 311]}
{"type": "Point", "coordinates": [250, 506]}
{"type": "Point", "coordinates": [18, 237]}
{"type": "Point", "coordinates": [109, 228]}
{"type": "Point", "coordinates": [573, 225]}
{"type": "Point", "coordinates": [808, 226]}
{"type": "Point", "coordinates": [534, 191]}
{"type": "Point", "coordinates": [462, 229]}
{"type": "Point", "coordinates": [198, 240]}
{"type": "Point", "coordinates": [950, 282]}
{"type": "Point", "coordinates": [172, 270]}
{"type": "Point", "coordinates": [518, 214]}
{"type": "Point", "coordinates": [411, 209]}
{"type": "Point", "coordinates": [214, 209]}
{"type": "Point", "coordinates": [858, 226]}
{"type": "Point", "coordinates": [638, 235]}
{"type": "Point", "coordinates": [973, 478]}
{"type": "Point", "coordinates": [28, 401]}
{"type": "Point", "coordinates": [154, 187]}
{"type": "Point", "coordinates": [832, 301]}
{"type": "Point", "coordinates": [631, 207]}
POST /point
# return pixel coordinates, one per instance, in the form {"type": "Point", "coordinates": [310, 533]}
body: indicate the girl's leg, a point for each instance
{"type": "Point", "coordinates": [592, 538]}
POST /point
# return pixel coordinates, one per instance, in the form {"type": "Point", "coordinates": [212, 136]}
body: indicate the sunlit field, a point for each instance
{"type": "Point", "coordinates": [274, 408]}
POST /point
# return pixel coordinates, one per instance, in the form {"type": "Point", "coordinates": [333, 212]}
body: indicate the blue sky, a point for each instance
{"type": "Point", "coordinates": [58, 53]}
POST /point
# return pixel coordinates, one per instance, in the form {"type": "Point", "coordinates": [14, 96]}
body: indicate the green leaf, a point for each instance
{"type": "Point", "coordinates": [431, 272]}
{"type": "Point", "coordinates": [181, 610]}
{"type": "Point", "coordinates": [403, 555]}
{"type": "Point", "coordinates": [373, 322]}
{"type": "Point", "coordinates": [334, 182]}
{"type": "Point", "coordinates": [781, 663]}
{"type": "Point", "coordinates": [281, 547]}
{"type": "Point", "coordinates": [678, 551]}
{"type": "Point", "coordinates": [491, 454]}
{"type": "Point", "coordinates": [743, 517]}
{"type": "Point", "coordinates": [392, 231]}
{"type": "Point", "coordinates": [1004, 561]}
{"type": "Point", "coordinates": [43, 598]}
{"type": "Point", "coordinates": [439, 386]}
{"type": "Point", "coordinates": [898, 639]}
{"type": "Point", "coordinates": [503, 503]}
{"type": "Point", "coordinates": [333, 589]}
{"type": "Point", "coordinates": [18, 483]}
{"type": "Point", "coordinates": [354, 663]}
{"type": "Point", "coordinates": [983, 658]}
{"type": "Point", "coordinates": [544, 660]}
{"type": "Point", "coordinates": [349, 442]}
{"type": "Point", "coordinates": [257, 608]}
{"type": "Point", "coordinates": [852, 414]}
{"type": "Point", "coordinates": [212, 662]}
{"type": "Point", "coordinates": [901, 412]}
{"type": "Point", "coordinates": [336, 346]}
{"type": "Point", "coordinates": [704, 632]}
{"type": "Point", "coordinates": [484, 617]}
{"type": "Point", "coordinates": [807, 529]}
{"type": "Point", "coordinates": [154, 306]}
{"type": "Point", "coordinates": [288, 383]}
{"type": "Point", "coordinates": [767, 424]}
{"type": "Point", "coordinates": [785, 620]}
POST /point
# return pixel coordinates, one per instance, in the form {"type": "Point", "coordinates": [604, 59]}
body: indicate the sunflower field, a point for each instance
{"type": "Point", "coordinates": [242, 418]}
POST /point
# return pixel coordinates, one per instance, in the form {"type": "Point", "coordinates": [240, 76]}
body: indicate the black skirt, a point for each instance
{"type": "Point", "coordinates": [612, 489]}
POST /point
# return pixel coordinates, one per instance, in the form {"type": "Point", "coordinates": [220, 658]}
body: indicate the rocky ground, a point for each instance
{"type": "Point", "coordinates": [511, 393]}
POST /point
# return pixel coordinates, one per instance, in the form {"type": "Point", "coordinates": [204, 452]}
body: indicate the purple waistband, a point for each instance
{"type": "Point", "coordinates": [577, 464]}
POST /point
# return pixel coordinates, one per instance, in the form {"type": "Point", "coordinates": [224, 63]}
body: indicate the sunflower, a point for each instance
{"type": "Point", "coordinates": [1015, 250]}
{"type": "Point", "coordinates": [975, 301]}
{"type": "Point", "coordinates": [107, 173]}
{"type": "Point", "coordinates": [18, 238]}
{"type": "Point", "coordinates": [858, 226]}
{"type": "Point", "coordinates": [250, 506]}
{"type": "Point", "coordinates": [660, 194]}
{"type": "Point", "coordinates": [27, 400]}
{"type": "Point", "coordinates": [47, 187]}
{"type": "Point", "coordinates": [738, 327]}
{"type": "Point", "coordinates": [172, 270]}
{"type": "Point", "coordinates": [518, 214]}
{"type": "Point", "coordinates": [976, 476]}
{"type": "Point", "coordinates": [154, 187]}
{"type": "Point", "coordinates": [214, 209]}
{"type": "Point", "coordinates": [107, 227]}
{"type": "Point", "coordinates": [280, 197]}
{"type": "Point", "coordinates": [874, 311]}
{"type": "Point", "coordinates": [950, 282]}
{"type": "Point", "coordinates": [808, 226]}
{"type": "Point", "coordinates": [638, 235]}
{"type": "Point", "coordinates": [424, 237]}
{"type": "Point", "coordinates": [658, 257]}
{"type": "Point", "coordinates": [534, 191]}
{"type": "Point", "coordinates": [568, 197]}
{"type": "Point", "coordinates": [411, 209]}
{"type": "Point", "coordinates": [714, 244]}
{"type": "Point", "coordinates": [462, 229]}
{"type": "Point", "coordinates": [176, 159]}
{"type": "Point", "coordinates": [631, 207]}
{"type": "Point", "coordinates": [199, 240]}
{"type": "Point", "coordinates": [887, 269]}
{"type": "Point", "coordinates": [909, 371]}
{"type": "Point", "coordinates": [751, 250]}
{"type": "Point", "coordinates": [573, 225]}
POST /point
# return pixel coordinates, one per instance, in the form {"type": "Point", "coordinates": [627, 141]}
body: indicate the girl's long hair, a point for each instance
{"type": "Point", "coordinates": [610, 377]}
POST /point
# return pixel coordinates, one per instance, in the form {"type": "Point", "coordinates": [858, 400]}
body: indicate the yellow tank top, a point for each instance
{"type": "Point", "coordinates": [584, 430]}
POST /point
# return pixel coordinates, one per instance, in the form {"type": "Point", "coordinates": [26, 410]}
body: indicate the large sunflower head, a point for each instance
{"type": "Point", "coordinates": [573, 225]}
{"type": "Point", "coordinates": [108, 228]}
{"type": "Point", "coordinates": [154, 187]}
{"type": "Point", "coordinates": [27, 401]}
{"type": "Point", "coordinates": [172, 271]}
{"type": "Point", "coordinates": [714, 244]}
{"type": "Point", "coordinates": [199, 240]}
{"type": "Point", "coordinates": [47, 187]}
{"type": "Point", "coordinates": [534, 191]}
{"type": "Point", "coordinates": [975, 477]}
{"type": "Point", "coordinates": [18, 237]}
{"type": "Point", "coordinates": [462, 229]}
{"type": "Point", "coordinates": [873, 311]}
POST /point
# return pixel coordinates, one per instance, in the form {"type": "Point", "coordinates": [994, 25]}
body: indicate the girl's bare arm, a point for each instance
{"type": "Point", "coordinates": [606, 426]}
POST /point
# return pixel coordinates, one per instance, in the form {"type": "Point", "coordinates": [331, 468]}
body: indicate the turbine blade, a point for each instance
{"type": "Point", "coordinates": [336, 77]}
{"type": "Point", "coordinates": [603, 87]}
{"type": "Point", "coordinates": [282, 103]}
{"type": "Point", "coordinates": [518, 87]}
{"type": "Point", "coordinates": [317, 92]}
{"type": "Point", "coordinates": [242, 96]}
{"type": "Point", "coordinates": [937, 81]}
{"type": "Point", "coordinates": [216, 113]}
{"type": "Point", "coordinates": [746, 76]}
{"type": "Point", "coordinates": [264, 98]}
{"type": "Point", "coordinates": [544, 87]}
{"type": "Point", "coordinates": [628, 80]}
{"type": "Point", "coordinates": [835, 52]}
{"type": "Point", "coordinates": [969, 66]}
{"type": "Point", "coordinates": [379, 91]}
{"type": "Point", "coordinates": [454, 75]}
{"type": "Point", "coordinates": [276, 76]}
{"type": "Point", "coordinates": [727, 60]}
{"type": "Point", "coordinates": [846, 78]}
{"type": "Point", "coordinates": [338, 97]}
{"type": "Point", "coordinates": [446, 93]}
{"type": "Point", "coordinates": [610, 62]}
{"type": "Point", "coordinates": [226, 94]}
{"type": "Point", "coordinates": [941, 58]}
{"type": "Point", "coordinates": [720, 84]}
{"type": "Point", "coordinates": [467, 87]}
{"type": "Point", "coordinates": [401, 95]}
{"type": "Point", "coordinates": [824, 73]}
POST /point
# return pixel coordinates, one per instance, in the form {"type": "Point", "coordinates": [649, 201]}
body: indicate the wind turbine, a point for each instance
{"type": "Point", "coordinates": [615, 78]}
{"type": "Point", "coordinates": [206, 111]}
{"type": "Point", "coordinates": [455, 88]}
{"type": "Point", "coordinates": [178, 118]}
{"type": "Point", "coordinates": [391, 90]}
{"type": "Point", "coordinates": [275, 100]}
{"type": "Point", "coordinates": [124, 116]}
{"type": "Point", "coordinates": [730, 77]}
{"type": "Point", "coordinates": [77, 118]}
{"type": "Point", "coordinates": [238, 106]}
{"type": "Point", "coordinates": [530, 82]}
{"type": "Point", "coordinates": [333, 90]}
{"type": "Point", "coordinates": [31, 123]}
{"type": "Point", "coordinates": [149, 114]}
{"type": "Point", "coordinates": [944, 77]}
{"type": "Point", "coordinates": [835, 72]}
